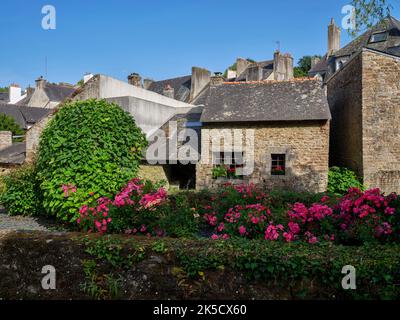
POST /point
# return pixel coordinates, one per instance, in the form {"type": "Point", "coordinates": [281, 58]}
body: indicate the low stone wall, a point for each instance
{"type": "Point", "coordinates": [122, 267]}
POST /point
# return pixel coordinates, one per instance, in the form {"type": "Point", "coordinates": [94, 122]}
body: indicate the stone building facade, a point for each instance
{"type": "Point", "coordinates": [365, 104]}
{"type": "Point", "coordinates": [267, 124]}
{"type": "Point", "coordinates": [304, 145]}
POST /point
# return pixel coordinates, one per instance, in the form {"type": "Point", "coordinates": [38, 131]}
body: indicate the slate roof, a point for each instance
{"type": "Point", "coordinates": [181, 87]}
{"type": "Point", "coordinates": [4, 97]}
{"type": "Point", "coordinates": [320, 67]}
{"type": "Point", "coordinates": [14, 154]}
{"type": "Point", "coordinates": [24, 115]}
{"type": "Point", "coordinates": [267, 66]}
{"type": "Point", "coordinates": [391, 45]}
{"type": "Point", "coordinates": [56, 92]}
{"type": "Point", "coordinates": [263, 101]}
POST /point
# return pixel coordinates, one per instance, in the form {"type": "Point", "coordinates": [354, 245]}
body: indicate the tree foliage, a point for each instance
{"type": "Point", "coordinates": [368, 13]}
{"type": "Point", "coordinates": [304, 66]}
{"type": "Point", "coordinates": [89, 149]}
{"type": "Point", "coordinates": [8, 123]}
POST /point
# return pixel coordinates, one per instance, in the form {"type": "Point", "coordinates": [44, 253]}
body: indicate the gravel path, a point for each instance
{"type": "Point", "coordinates": [26, 223]}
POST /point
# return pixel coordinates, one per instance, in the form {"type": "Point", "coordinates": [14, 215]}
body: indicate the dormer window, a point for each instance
{"type": "Point", "coordinates": [378, 37]}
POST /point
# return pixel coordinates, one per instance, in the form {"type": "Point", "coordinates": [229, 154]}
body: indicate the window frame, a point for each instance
{"type": "Point", "coordinates": [278, 160]}
{"type": "Point", "coordinates": [221, 157]}
{"type": "Point", "coordinates": [385, 33]}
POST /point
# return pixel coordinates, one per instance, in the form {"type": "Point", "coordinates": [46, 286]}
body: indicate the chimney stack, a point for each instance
{"type": "Point", "coordinates": [169, 92]}
{"type": "Point", "coordinates": [135, 80]}
{"type": "Point", "coordinates": [314, 61]}
{"type": "Point", "coordinates": [241, 65]}
{"type": "Point", "coordinates": [5, 139]}
{"type": "Point", "coordinates": [217, 79]}
{"type": "Point", "coordinates": [15, 93]}
{"type": "Point", "coordinates": [200, 78]}
{"type": "Point", "coordinates": [333, 38]}
{"type": "Point", "coordinates": [40, 82]}
{"type": "Point", "coordinates": [283, 66]}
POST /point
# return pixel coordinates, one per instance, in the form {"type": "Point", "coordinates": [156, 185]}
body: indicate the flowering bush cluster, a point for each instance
{"type": "Point", "coordinates": [355, 218]}
{"type": "Point", "coordinates": [126, 212]}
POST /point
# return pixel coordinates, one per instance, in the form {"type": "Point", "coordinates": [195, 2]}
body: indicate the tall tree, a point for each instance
{"type": "Point", "coordinates": [367, 13]}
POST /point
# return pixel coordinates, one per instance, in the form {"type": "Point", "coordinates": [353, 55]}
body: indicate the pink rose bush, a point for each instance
{"type": "Point", "coordinates": [245, 211]}
{"type": "Point", "coordinates": [126, 212]}
{"type": "Point", "coordinates": [356, 217]}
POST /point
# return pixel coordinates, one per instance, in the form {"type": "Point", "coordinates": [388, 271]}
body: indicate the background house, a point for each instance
{"type": "Point", "coordinates": [364, 97]}
{"type": "Point", "coordinates": [48, 95]}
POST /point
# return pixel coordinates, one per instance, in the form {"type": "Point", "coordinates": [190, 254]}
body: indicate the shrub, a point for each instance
{"type": "Point", "coordinates": [90, 148]}
{"type": "Point", "coordinates": [132, 210]}
{"type": "Point", "coordinates": [342, 179]}
{"type": "Point", "coordinates": [21, 192]}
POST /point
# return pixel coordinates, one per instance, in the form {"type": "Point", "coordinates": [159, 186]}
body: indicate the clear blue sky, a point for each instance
{"type": "Point", "coordinates": [159, 38]}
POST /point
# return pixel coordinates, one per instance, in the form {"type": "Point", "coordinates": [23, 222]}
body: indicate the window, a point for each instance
{"type": "Point", "coordinates": [278, 164]}
{"type": "Point", "coordinates": [378, 37]}
{"type": "Point", "coordinates": [227, 163]}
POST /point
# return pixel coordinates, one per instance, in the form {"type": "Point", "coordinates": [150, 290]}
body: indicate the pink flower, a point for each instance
{"type": "Point", "coordinates": [313, 240]}
{"type": "Point", "coordinates": [242, 230]}
{"type": "Point", "coordinates": [225, 236]}
{"type": "Point", "coordinates": [288, 236]}
{"type": "Point", "coordinates": [215, 237]}
{"type": "Point", "coordinates": [294, 227]}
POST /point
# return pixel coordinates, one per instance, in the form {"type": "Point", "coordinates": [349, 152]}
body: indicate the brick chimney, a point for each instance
{"type": "Point", "coordinates": [135, 80]}
{"type": "Point", "coordinates": [217, 79]}
{"type": "Point", "coordinates": [15, 93]}
{"type": "Point", "coordinates": [169, 92]}
{"type": "Point", "coordinates": [40, 83]}
{"type": "Point", "coordinates": [283, 66]}
{"type": "Point", "coordinates": [333, 38]}
{"type": "Point", "coordinates": [200, 78]}
{"type": "Point", "coordinates": [5, 139]}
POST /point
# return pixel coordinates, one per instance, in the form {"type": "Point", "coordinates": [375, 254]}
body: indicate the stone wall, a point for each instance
{"type": "Point", "coordinates": [344, 97]}
{"type": "Point", "coordinates": [5, 139]}
{"type": "Point", "coordinates": [32, 137]}
{"type": "Point", "coordinates": [364, 98]}
{"type": "Point", "coordinates": [381, 121]}
{"type": "Point", "coordinates": [305, 144]}
{"type": "Point", "coordinates": [154, 173]}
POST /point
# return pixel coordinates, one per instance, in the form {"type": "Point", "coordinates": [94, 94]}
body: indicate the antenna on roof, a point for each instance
{"type": "Point", "coordinates": [278, 44]}
{"type": "Point", "coordinates": [45, 66]}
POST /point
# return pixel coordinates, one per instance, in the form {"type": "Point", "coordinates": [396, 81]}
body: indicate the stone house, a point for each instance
{"type": "Point", "coordinates": [48, 95]}
{"type": "Point", "coordinates": [288, 122]}
{"type": "Point", "coordinates": [364, 97]}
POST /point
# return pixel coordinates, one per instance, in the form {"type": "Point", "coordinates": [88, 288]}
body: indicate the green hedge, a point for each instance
{"type": "Point", "coordinates": [20, 192]}
{"type": "Point", "coordinates": [304, 270]}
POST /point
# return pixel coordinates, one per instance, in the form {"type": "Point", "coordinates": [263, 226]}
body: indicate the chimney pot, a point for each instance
{"type": "Point", "coordinates": [217, 79]}
{"type": "Point", "coordinates": [135, 79]}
